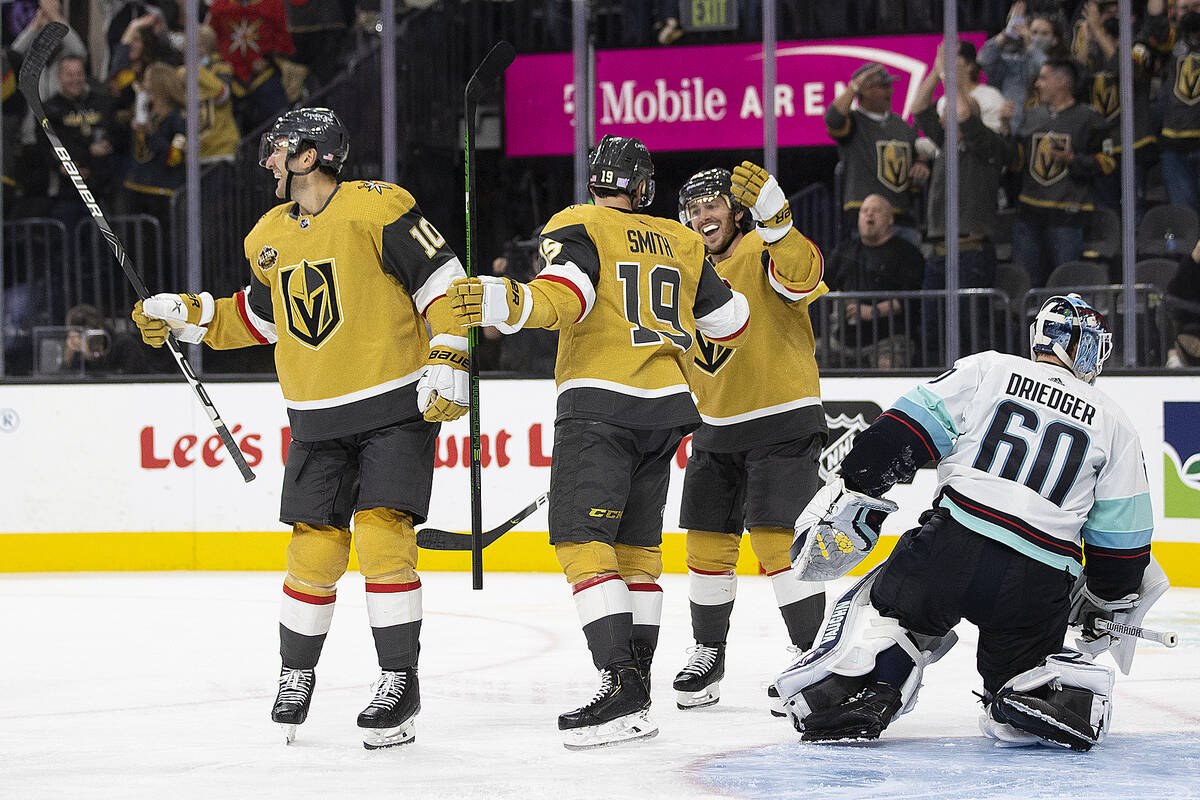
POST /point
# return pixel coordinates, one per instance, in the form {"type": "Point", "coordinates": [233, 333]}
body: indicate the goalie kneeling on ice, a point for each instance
{"type": "Point", "coordinates": [853, 637]}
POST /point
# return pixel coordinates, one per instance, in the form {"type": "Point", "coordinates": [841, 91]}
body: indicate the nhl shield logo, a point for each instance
{"type": "Point", "coordinates": [1042, 166]}
{"type": "Point", "coordinates": [710, 357]}
{"type": "Point", "coordinates": [310, 299]}
{"type": "Point", "coordinates": [850, 420]}
{"type": "Point", "coordinates": [894, 160]}
{"type": "Point", "coordinates": [1187, 79]}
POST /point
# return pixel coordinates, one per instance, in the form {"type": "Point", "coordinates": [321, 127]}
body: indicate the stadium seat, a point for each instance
{"type": "Point", "coordinates": [1179, 221]}
{"type": "Point", "coordinates": [1156, 271]}
{"type": "Point", "coordinates": [1078, 273]}
{"type": "Point", "coordinates": [1102, 236]}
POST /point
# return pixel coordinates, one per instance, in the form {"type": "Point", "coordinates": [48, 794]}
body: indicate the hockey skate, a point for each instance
{"type": "Point", "coordinates": [387, 721]}
{"type": "Point", "coordinates": [861, 716]}
{"type": "Point", "coordinates": [293, 699]}
{"type": "Point", "coordinates": [619, 712]}
{"type": "Point", "coordinates": [698, 683]}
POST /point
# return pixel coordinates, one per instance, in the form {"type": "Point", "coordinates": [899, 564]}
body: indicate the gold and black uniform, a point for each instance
{"type": "Point", "coordinates": [344, 294]}
{"type": "Point", "coordinates": [637, 287]}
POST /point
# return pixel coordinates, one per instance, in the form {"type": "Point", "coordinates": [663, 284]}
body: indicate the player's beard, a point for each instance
{"type": "Point", "coordinates": [727, 233]}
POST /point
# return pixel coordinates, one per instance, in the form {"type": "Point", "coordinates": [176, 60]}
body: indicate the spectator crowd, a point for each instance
{"type": "Point", "coordinates": [1039, 147]}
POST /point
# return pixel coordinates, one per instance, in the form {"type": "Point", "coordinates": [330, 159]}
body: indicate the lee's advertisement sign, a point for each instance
{"type": "Point", "coordinates": [130, 457]}
{"type": "Point", "coordinates": [701, 98]}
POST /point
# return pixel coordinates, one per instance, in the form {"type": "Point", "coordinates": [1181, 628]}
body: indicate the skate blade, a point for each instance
{"type": "Point", "coordinates": [289, 733]}
{"type": "Point", "coordinates": [855, 734]}
{"type": "Point", "coordinates": [629, 728]}
{"type": "Point", "coordinates": [708, 696]}
{"type": "Point", "coordinates": [775, 703]}
{"type": "Point", "coordinates": [379, 738]}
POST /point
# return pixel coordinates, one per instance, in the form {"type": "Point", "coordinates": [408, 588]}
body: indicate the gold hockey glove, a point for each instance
{"type": "Point", "coordinates": [443, 390]}
{"type": "Point", "coordinates": [489, 300]}
{"type": "Point", "coordinates": [757, 190]}
{"type": "Point", "coordinates": [185, 315]}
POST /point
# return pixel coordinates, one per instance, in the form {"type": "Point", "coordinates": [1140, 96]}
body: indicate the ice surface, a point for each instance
{"type": "Point", "coordinates": [159, 685]}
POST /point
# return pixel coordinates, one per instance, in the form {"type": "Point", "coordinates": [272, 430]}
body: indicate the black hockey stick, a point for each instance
{"type": "Point", "coordinates": [493, 64]}
{"type": "Point", "coordinates": [436, 539]}
{"type": "Point", "coordinates": [35, 62]}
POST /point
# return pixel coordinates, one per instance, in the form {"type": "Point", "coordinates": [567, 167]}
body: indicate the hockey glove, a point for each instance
{"type": "Point", "coordinates": [185, 315]}
{"type": "Point", "coordinates": [835, 531]}
{"type": "Point", "coordinates": [443, 389]}
{"type": "Point", "coordinates": [1086, 608]}
{"type": "Point", "coordinates": [757, 190]}
{"type": "Point", "coordinates": [489, 300]}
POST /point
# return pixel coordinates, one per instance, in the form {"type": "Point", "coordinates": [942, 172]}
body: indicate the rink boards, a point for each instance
{"type": "Point", "coordinates": [131, 477]}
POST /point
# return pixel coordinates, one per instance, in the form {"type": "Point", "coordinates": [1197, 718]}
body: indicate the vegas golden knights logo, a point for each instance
{"type": "Point", "coordinates": [894, 160]}
{"type": "Point", "coordinates": [1042, 166]}
{"type": "Point", "coordinates": [1187, 79]}
{"type": "Point", "coordinates": [310, 299]}
{"type": "Point", "coordinates": [1106, 98]}
{"type": "Point", "coordinates": [710, 357]}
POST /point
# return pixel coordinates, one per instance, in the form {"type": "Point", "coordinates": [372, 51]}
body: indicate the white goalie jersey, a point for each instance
{"type": "Point", "coordinates": [1033, 457]}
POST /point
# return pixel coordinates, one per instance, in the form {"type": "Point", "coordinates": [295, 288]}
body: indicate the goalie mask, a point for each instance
{"type": "Point", "coordinates": [319, 128]}
{"type": "Point", "coordinates": [708, 185]}
{"type": "Point", "coordinates": [622, 164]}
{"type": "Point", "coordinates": [1069, 329]}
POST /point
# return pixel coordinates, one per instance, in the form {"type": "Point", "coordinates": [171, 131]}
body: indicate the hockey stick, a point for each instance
{"type": "Point", "coordinates": [35, 62]}
{"type": "Point", "coordinates": [436, 539]}
{"type": "Point", "coordinates": [1168, 639]}
{"type": "Point", "coordinates": [493, 64]}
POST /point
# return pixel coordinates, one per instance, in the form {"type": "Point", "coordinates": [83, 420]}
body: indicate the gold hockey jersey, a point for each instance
{"type": "Point", "coordinates": [767, 390]}
{"type": "Point", "coordinates": [343, 294]}
{"type": "Point", "coordinates": [641, 288]}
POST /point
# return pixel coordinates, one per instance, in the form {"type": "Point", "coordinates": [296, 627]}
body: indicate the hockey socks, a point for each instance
{"type": "Point", "coordinates": [394, 611]}
{"type": "Point", "coordinates": [606, 613]}
{"type": "Point", "coordinates": [801, 604]}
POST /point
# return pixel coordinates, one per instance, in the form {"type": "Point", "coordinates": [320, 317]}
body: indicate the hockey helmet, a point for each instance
{"type": "Point", "coordinates": [318, 127]}
{"type": "Point", "coordinates": [622, 164]}
{"type": "Point", "coordinates": [1068, 328]}
{"type": "Point", "coordinates": [706, 185]}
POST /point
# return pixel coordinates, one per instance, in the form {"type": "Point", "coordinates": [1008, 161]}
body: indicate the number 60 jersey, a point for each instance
{"type": "Point", "coordinates": [629, 292]}
{"type": "Point", "coordinates": [1033, 457]}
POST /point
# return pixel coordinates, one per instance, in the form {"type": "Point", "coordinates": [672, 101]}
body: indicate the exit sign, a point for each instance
{"type": "Point", "coordinates": [708, 15]}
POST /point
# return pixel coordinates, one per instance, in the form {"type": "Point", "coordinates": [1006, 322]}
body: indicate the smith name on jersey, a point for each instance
{"type": "Point", "coordinates": [740, 405]}
{"type": "Point", "coordinates": [1028, 455]}
{"type": "Point", "coordinates": [344, 295]}
{"type": "Point", "coordinates": [629, 291]}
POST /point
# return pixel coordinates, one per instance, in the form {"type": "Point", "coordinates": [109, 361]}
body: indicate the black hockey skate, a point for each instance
{"type": "Point", "coordinates": [698, 683]}
{"type": "Point", "coordinates": [861, 716]}
{"type": "Point", "coordinates": [293, 699]}
{"type": "Point", "coordinates": [619, 712]}
{"type": "Point", "coordinates": [1056, 716]}
{"type": "Point", "coordinates": [643, 656]}
{"type": "Point", "coordinates": [387, 721]}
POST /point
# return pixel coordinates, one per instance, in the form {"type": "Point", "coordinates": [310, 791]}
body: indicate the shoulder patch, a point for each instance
{"type": "Point", "coordinates": [267, 258]}
{"type": "Point", "coordinates": [375, 186]}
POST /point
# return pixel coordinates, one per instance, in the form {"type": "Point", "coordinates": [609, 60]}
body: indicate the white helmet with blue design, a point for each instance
{"type": "Point", "coordinates": [1069, 329]}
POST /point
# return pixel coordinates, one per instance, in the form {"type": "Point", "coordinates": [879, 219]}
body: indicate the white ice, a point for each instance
{"type": "Point", "coordinates": [159, 685]}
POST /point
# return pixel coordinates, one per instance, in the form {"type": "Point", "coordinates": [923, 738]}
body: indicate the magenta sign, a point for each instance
{"type": "Point", "coordinates": [701, 98]}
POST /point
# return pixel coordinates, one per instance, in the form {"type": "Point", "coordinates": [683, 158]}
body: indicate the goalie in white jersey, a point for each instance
{"type": "Point", "coordinates": [1036, 469]}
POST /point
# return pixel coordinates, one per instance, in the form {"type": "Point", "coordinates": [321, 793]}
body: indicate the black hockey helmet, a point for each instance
{"type": "Point", "coordinates": [706, 185]}
{"type": "Point", "coordinates": [317, 127]}
{"type": "Point", "coordinates": [622, 164]}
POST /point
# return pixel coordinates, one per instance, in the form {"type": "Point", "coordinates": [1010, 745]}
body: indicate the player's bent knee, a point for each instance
{"type": "Point", "coordinates": [771, 546]}
{"type": "Point", "coordinates": [386, 545]}
{"type": "Point", "coordinates": [583, 560]}
{"type": "Point", "coordinates": [840, 662]}
{"type": "Point", "coordinates": [638, 564]}
{"type": "Point", "coordinates": [1066, 701]}
{"type": "Point", "coordinates": [712, 552]}
{"type": "Point", "coordinates": [317, 556]}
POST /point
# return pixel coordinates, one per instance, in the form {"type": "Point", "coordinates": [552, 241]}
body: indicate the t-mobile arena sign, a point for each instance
{"type": "Point", "coordinates": [700, 98]}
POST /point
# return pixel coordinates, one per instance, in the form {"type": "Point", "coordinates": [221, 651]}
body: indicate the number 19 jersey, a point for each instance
{"type": "Point", "coordinates": [642, 285]}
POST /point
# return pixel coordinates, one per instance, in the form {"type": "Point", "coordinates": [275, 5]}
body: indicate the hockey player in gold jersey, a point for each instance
{"type": "Point", "coordinates": [754, 460]}
{"type": "Point", "coordinates": [344, 278]}
{"type": "Point", "coordinates": [627, 291]}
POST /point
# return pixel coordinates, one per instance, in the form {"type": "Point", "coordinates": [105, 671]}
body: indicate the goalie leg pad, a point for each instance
{"type": "Point", "coordinates": [1066, 701]}
{"type": "Point", "coordinates": [840, 663]}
